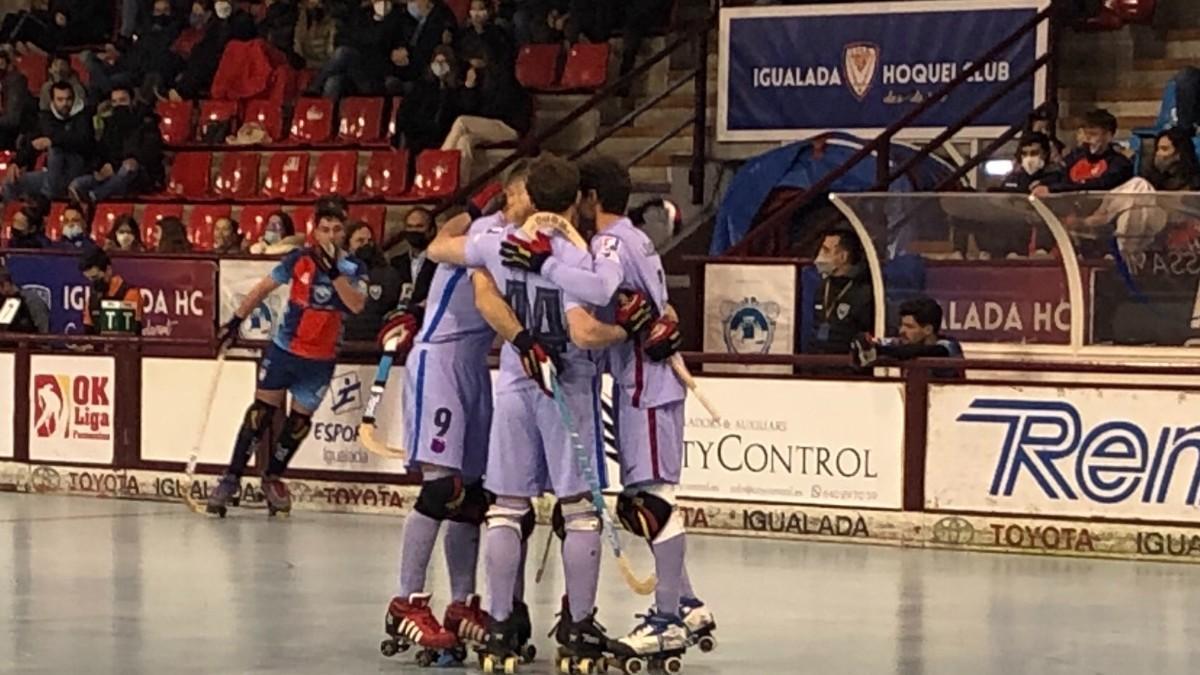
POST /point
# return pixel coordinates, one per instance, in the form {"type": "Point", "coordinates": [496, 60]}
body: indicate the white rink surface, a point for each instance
{"type": "Point", "coordinates": [106, 586]}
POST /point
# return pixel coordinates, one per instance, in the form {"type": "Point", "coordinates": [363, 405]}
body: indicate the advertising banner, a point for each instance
{"type": "Point", "coordinates": [177, 295]}
{"type": "Point", "coordinates": [237, 278]}
{"type": "Point", "coordinates": [7, 402]}
{"type": "Point", "coordinates": [1003, 303]}
{"type": "Point", "coordinates": [786, 73]}
{"type": "Point", "coordinates": [333, 443]}
{"type": "Point", "coordinates": [749, 309]}
{"type": "Point", "coordinates": [71, 408]}
{"type": "Point", "coordinates": [793, 442]}
{"type": "Point", "coordinates": [1087, 452]}
{"type": "Point", "coordinates": [175, 418]}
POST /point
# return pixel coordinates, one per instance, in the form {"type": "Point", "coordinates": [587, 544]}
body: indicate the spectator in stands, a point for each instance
{"type": "Point", "coordinates": [1033, 166]}
{"type": "Point", "coordinates": [76, 233]}
{"type": "Point", "coordinates": [16, 105]}
{"type": "Point", "coordinates": [278, 26]}
{"type": "Point", "coordinates": [427, 25]}
{"type": "Point", "coordinates": [1187, 98]}
{"type": "Point", "coordinates": [27, 231]}
{"type": "Point", "coordinates": [919, 336]}
{"type": "Point", "coordinates": [129, 153]}
{"type": "Point", "coordinates": [60, 70]}
{"type": "Point", "coordinates": [365, 39]}
{"type": "Point", "coordinates": [172, 236]}
{"type": "Point", "coordinates": [314, 35]}
{"type": "Point", "coordinates": [279, 236]}
{"type": "Point", "coordinates": [21, 311]}
{"type": "Point", "coordinates": [227, 236]}
{"type": "Point", "coordinates": [113, 306]}
{"type": "Point", "coordinates": [493, 106]}
{"type": "Point", "coordinates": [1097, 164]}
{"type": "Point", "coordinates": [200, 20]}
{"type": "Point", "coordinates": [383, 284]}
{"type": "Point", "coordinates": [150, 61]}
{"type": "Point", "coordinates": [1041, 121]}
{"type": "Point", "coordinates": [416, 270]}
{"type": "Point", "coordinates": [107, 70]}
{"type": "Point", "coordinates": [845, 305]}
{"type": "Point", "coordinates": [201, 65]}
{"type": "Point", "coordinates": [425, 117]}
{"type": "Point", "coordinates": [124, 235]}
{"type": "Point", "coordinates": [82, 22]}
{"type": "Point", "coordinates": [31, 30]}
{"type": "Point", "coordinates": [65, 134]}
{"type": "Point", "coordinates": [537, 21]}
{"type": "Point", "coordinates": [137, 15]}
{"type": "Point", "coordinates": [481, 35]}
{"type": "Point", "coordinates": [1174, 168]}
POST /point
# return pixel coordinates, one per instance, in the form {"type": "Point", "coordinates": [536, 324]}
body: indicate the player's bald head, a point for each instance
{"type": "Point", "coordinates": [553, 184]}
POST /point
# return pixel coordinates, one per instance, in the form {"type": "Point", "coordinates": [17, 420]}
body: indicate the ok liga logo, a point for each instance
{"type": "Point", "coordinates": [72, 407]}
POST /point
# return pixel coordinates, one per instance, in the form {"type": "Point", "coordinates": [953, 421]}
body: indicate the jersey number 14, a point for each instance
{"type": "Point", "coordinates": [547, 315]}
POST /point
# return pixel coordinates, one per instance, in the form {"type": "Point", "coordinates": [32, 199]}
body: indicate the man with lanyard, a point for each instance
{"type": "Point", "coordinates": [113, 306]}
{"type": "Point", "coordinates": [845, 302]}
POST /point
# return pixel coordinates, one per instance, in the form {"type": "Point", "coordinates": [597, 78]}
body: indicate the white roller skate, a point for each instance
{"type": "Point", "coordinates": [700, 623]}
{"type": "Point", "coordinates": [657, 643]}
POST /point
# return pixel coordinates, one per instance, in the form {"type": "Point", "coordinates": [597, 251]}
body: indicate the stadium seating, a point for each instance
{"type": "Point", "coordinates": [33, 66]}
{"type": "Point", "coordinates": [586, 67]}
{"type": "Point", "coordinates": [386, 174]}
{"type": "Point", "coordinates": [335, 173]}
{"type": "Point", "coordinates": [175, 121]}
{"type": "Point", "coordinates": [150, 217]}
{"type": "Point", "coordinates": [102, 219]}
{"type": "Point", "coordinates": [212, 111]}
{"type": "Point", "coordinates": [304, 217]}
{"type": "Point", "coordinates": [53, 227]}
{"type": "Point", "coordinates": [436, 174]}
{"type": "Point", "coordinates": [238, 176]}
{"type": "Point", "coordinates": [200, 224]}
{"type": "Point", "coordinates": [537, 66]}
{"type": "Point", "coordinates": [266, 113]}
{"type": "Point", "coordinates": [312, 121]}
{"type": "Point", "coordinates": [189, 177]}
{"type": "Point", "coordinates": [287, 176]}
{"type": "Point", "coordinates": [360, 121]}
{"type": "Point", "coordinates": [374, 215]}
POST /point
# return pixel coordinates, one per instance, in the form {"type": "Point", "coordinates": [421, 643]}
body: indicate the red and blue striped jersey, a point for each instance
{"type": "Point", "coordinates": [312, 323]}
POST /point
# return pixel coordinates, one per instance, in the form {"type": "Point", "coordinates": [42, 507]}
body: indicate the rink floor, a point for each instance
{"type": "Point", "coordinates": [107, 586]}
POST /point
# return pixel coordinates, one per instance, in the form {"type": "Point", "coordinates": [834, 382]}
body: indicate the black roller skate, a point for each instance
{"type": "Point", "coordinates": [224, 495]}
{"type": "Point", "coordinates": [275, 492]}
{"type": "Point", "coordinates": [700, 623]}
{"type": "Point", "coordinates": [658, 643]}
{"type": "Point", "coordinates": [501, 653]}
{"type": "Point", "coordinates": [410, 623]}
{"type": "Point", "coordinates": [520, 615]}
{"type": "Point", "coordinates": [583, 646]}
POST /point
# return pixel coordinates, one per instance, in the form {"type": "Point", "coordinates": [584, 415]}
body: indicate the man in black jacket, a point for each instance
{"type": "Point", "coordinates": [493, 106]}
{"type": "Point", "coordinates": [845, 304]}
{"type": "Point", "coordinates": [416, 270]}
{"type": "Point", "coordinates": [362, 59]}
{"type": "Point", "coordinates": [16, 105]}
{"type": "Point", "coordinates": [129, 154]}
{"type": "Point", "coordinates": [920, 335]}
{"type": "Point", "coordinates": [427, 24]}
{"type": "Point", "coordinates": [1097, 165]}
{"type": "Point", "coordinates": [65, 133]}
{"type": "Point", "coordinates": [1033, 166]}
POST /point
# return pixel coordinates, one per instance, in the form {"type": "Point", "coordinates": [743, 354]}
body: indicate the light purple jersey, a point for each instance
{"type": "Point", "coordinates": [539, 304]}
{"type": "Point", "coordinates": [451, 316]}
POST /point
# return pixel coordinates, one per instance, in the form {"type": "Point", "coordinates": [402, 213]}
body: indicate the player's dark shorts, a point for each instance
{"type": "Point", "coordinates": [306, 379]}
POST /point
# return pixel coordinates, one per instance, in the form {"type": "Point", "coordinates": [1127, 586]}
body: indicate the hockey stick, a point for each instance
{"type": "Point", "coordinates": [190, 471]}
{"type": "Point", "coordinates": [541, 570]}
{"type": "Point", "coordinates": [583, 463]}
{"type": "Point", "coordinates": [685, 377]}
{"type": "Point", "coordinates": [366, 428]}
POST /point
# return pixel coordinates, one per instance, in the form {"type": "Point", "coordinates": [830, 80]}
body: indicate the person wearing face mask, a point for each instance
{"type": "Point", "coordinates": [82, 22]}
{"type": "Point", "coordinates": [150, 61]}
{"type": "Point", "coordinates": [279, 236]}
{"type": "Point", "coordinates": [316, 30]}
{"type": "Point", "coordinates": [76, 233]}
{"type": "Point", "coordinates": [16, 105]}
{"type": "Point", "coordinates": [1174, 167]}
{"type": "Point", "coordinates": [199, 20]}
{"type": "Point", "coordinates": [845, 302]}
{"type": "Point", "coordinates": [383, 284]}
{"type": "Point", "coordinates": [26, 230]}
{"type": "Point", "coordinates": [125, 235]}
{"type": "Point", "coordinates": [1032, 166]}
{"type": "Point", "coordinates": [480, 34]}
{"type": "Point", "coordinates": [60, 70]}
{"type": "Point", "coordinates": [427, 25]}
{"type": "Point", "coordinates": [227, 236]}
{"type": "Point", "coordinates": [415, 268]}
{"type": "Point", "coordinates": [1097, 165]}
{"type": "Point", "coordinates": [113, 306]}
{"type": "Point", "coordinates": [495, 109]}
{"type": "Point", "coordinates": [424, 118]}
{"type": "Point", "coordinates": [364, 42]}
{"type": "Point", "coordinates": [66, 135]}
{"type": "Point", "coordinates": [129, 154]}
{"type": "Point", "coordinates": [204, 59]}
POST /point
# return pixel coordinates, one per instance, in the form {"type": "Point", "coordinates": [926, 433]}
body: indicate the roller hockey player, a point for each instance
{"type": "Point", "coordinates": [324, 282]}
{"type": "Point", "coordinates": [648, 404]}
{"type": "Point", "coordinates": [448, 409]}
{"type": "Point", "coordinates": [550, 336]}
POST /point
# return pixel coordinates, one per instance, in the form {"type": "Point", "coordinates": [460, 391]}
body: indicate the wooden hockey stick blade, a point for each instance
{"type": "Point", "coordinates": [685, 377]}
{"type": "Point", "coordinates": [541, 570]}
{"type": "Point", "coordinates": [639, 586]}
{"type": "Point", "coordinates": [366, 436]}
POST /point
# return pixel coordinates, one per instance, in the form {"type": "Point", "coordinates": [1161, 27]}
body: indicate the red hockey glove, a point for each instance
{"type": "Point", "coordinates": [663, 340]}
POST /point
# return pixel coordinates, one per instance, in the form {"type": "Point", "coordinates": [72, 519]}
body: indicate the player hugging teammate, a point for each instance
{"type": "Point", "coordinates": [566, 315]}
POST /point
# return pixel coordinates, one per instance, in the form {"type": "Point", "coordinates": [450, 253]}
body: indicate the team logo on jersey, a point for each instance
{"type": "Point", "coordinates": [859, 62]}
{"type": "Point", "coordinates": [843, 311]}
{"type": "Point", "coordinates": [749, 325]}
{"type": "Point", "coordinates": [609, 248]}
{"type": "Point", "coordinates": [347, 393]}
{"type": "Point", "coordinates": [261, 321]}
{"type": "Point", "coordinates": [375, 291]}
{"type": "Point", "coordinates": [322, 294]}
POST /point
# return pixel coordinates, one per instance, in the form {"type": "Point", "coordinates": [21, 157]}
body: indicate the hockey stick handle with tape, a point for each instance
{"type": "Point", "coordinates": [210, 398]}
{"type": "Point", "coordinates": [685, 377]}
{"type": "Point", "coordinates": [366, 428]}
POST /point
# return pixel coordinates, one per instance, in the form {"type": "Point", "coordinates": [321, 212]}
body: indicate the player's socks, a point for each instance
{"type": "Point", "coordinates": [668, 567]}
{"type": "Point", "coordinates": [519, 587]}
{"type": "Point", "coordinates": [461, 546]}
{"type": "Point", "coordinates": [685, 585]}
{"type": "Point", "coordinates": [416, 547]}
{"type": "Point", "coordinates": [581, 557]}
{"type": "Point", "coordinates": [295, 430]}
{"type": "Point", "coordinates": [503, 553]}
{"type": "Point", "coordinates": [254, 425]}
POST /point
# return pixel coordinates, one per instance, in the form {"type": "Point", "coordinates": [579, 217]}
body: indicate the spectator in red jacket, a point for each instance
{"type": "Point", "coordinates": [1097, 165]}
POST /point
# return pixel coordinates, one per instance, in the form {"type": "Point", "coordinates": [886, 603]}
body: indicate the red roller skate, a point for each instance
{"type": "Point", "coordinates": [410, 623]}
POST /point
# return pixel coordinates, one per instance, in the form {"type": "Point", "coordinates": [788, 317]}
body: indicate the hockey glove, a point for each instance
{"type": "Point", "coordinates": [633, 312]}
{"type": "Point", "coordinates": [529, 256]}
{"type": "Point", "coordinates": [540, 363]}
{"type": "Point", "coordinates": [663, 340]}
{"type": "Point", "coordinates": [327, 262]}
{"type": "Point", "coordinates": [401, 327]}
{"type": "Point", "coordinates": [228, 332]}
{"type": "Point", "coordinates": [863, 350]}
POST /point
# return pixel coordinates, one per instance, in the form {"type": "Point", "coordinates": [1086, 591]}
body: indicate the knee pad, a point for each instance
{"type": "Point", "coordinates": [508, 512]}
{"type": "Point", "coordinates": [575, 515]}
{"type": "Point", "coordinates": [295, 430]}
{"type": "Point", "coordinates": [474, 506]}
{"type": "Point", "coordinates": [258, 418]}
{"type": "Point", "coordinates": [528, 522]}
{"type": "Point", "coordinates": [650, 512]}
{"type": "Point", "coordinates": [440, 498]}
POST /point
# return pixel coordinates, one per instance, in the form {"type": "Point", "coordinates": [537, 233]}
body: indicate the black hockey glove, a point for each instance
{"type": "Point", "coordinates": [540, 363]}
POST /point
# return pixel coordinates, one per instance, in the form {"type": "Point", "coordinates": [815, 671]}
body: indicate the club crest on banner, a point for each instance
{"type": "Point", "coordinates": [860, 60]}
{"type": "Point", "coordinates": [749, 325]}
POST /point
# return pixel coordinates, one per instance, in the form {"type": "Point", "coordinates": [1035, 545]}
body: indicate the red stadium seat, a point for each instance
{"type": "Point", "coordinates": [386, 174]}
{"type": "Point", "coordinates": [287, 176]}
{"type": "Point", "coordinates": [360, 121]}
{"type": "Point", "coordinates": [53, 227]}
{"type": "Point", "coordinates": [537, 66]}
{"type": "Point", "coordinates": [189, 175]}
{"type": "Point", "coordinates": [77, 65]}
{"type": "Point", "coordinates": [392, 110]}
{"type": "Point", "coordinates": [104, 216]}
{"type": "Point", "coordinates": [213, 110]}
{"type": "Point", "coordinates": [304, 218]}
{"type": "Point", "coordinates": [10, 210]}
{"type": "Point", "coordinates": [200, 224]}
{"type": "Point", "coordinates": [252, 221]}
{"type": "Point", "coordinates": [238, 176]}
{"type": "Point", "coordinates": [268, 114]}
{"type": "Point", "coordinates": [6, 160]}
{"type": "Point", "coordinates": [1137, 11]}
{"type": "Point", "coordinates": [175, 121]}
{"type": "Point", "coordinates": [336, 174]}
{"type": "Point", "coordinates": [312, 121]}
{"type": "Point", "coordinates": [437, 174]}
{"type": "Point", "coordinates": [587, 67]}
{"type": "Point", "coordinates": [374, 215]}
{"type": "Point", "coordinates": [150, 217]}
{"type": "Point", "coordinates": [33, 66]}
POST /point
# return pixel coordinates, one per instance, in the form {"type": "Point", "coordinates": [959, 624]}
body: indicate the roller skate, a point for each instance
{"type": "Point", "coordinates": [467, 622]}
{"type": "Point", "coordinates": [700, 623]}
{"type": "Point", "coordinates": [657, 643]}
{"type": "Point", "coordinates": [224, 495]}
{"type": "Point", "coordinates": [410, 623]}
{"type": "Point", "coordinates": [520, 616]}
{"type": "Point", "coordinates": [583, 647]}
{"type": "Point", "coordinates": [275, 492]}
{"type": "Point", "coordinates": [501, 653]}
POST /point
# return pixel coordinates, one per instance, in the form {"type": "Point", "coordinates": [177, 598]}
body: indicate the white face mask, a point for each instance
{"type": "Point", "coordinates": [271, 236]}
{"type": "Point", "coordinates": [440, 68]}
{"type": "Point", "coordinates": [125, 239]}
{"type": "Point", "coordinates": [1032, 165]}
{"type": "Point", "coordinates": [824, 266]}
{"type": "Point", "coordinates": [72, 231]}
{"type": "Point", "coordinates": [223, 9]}
{"type": "Point", "coordinates": [381, 7]}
